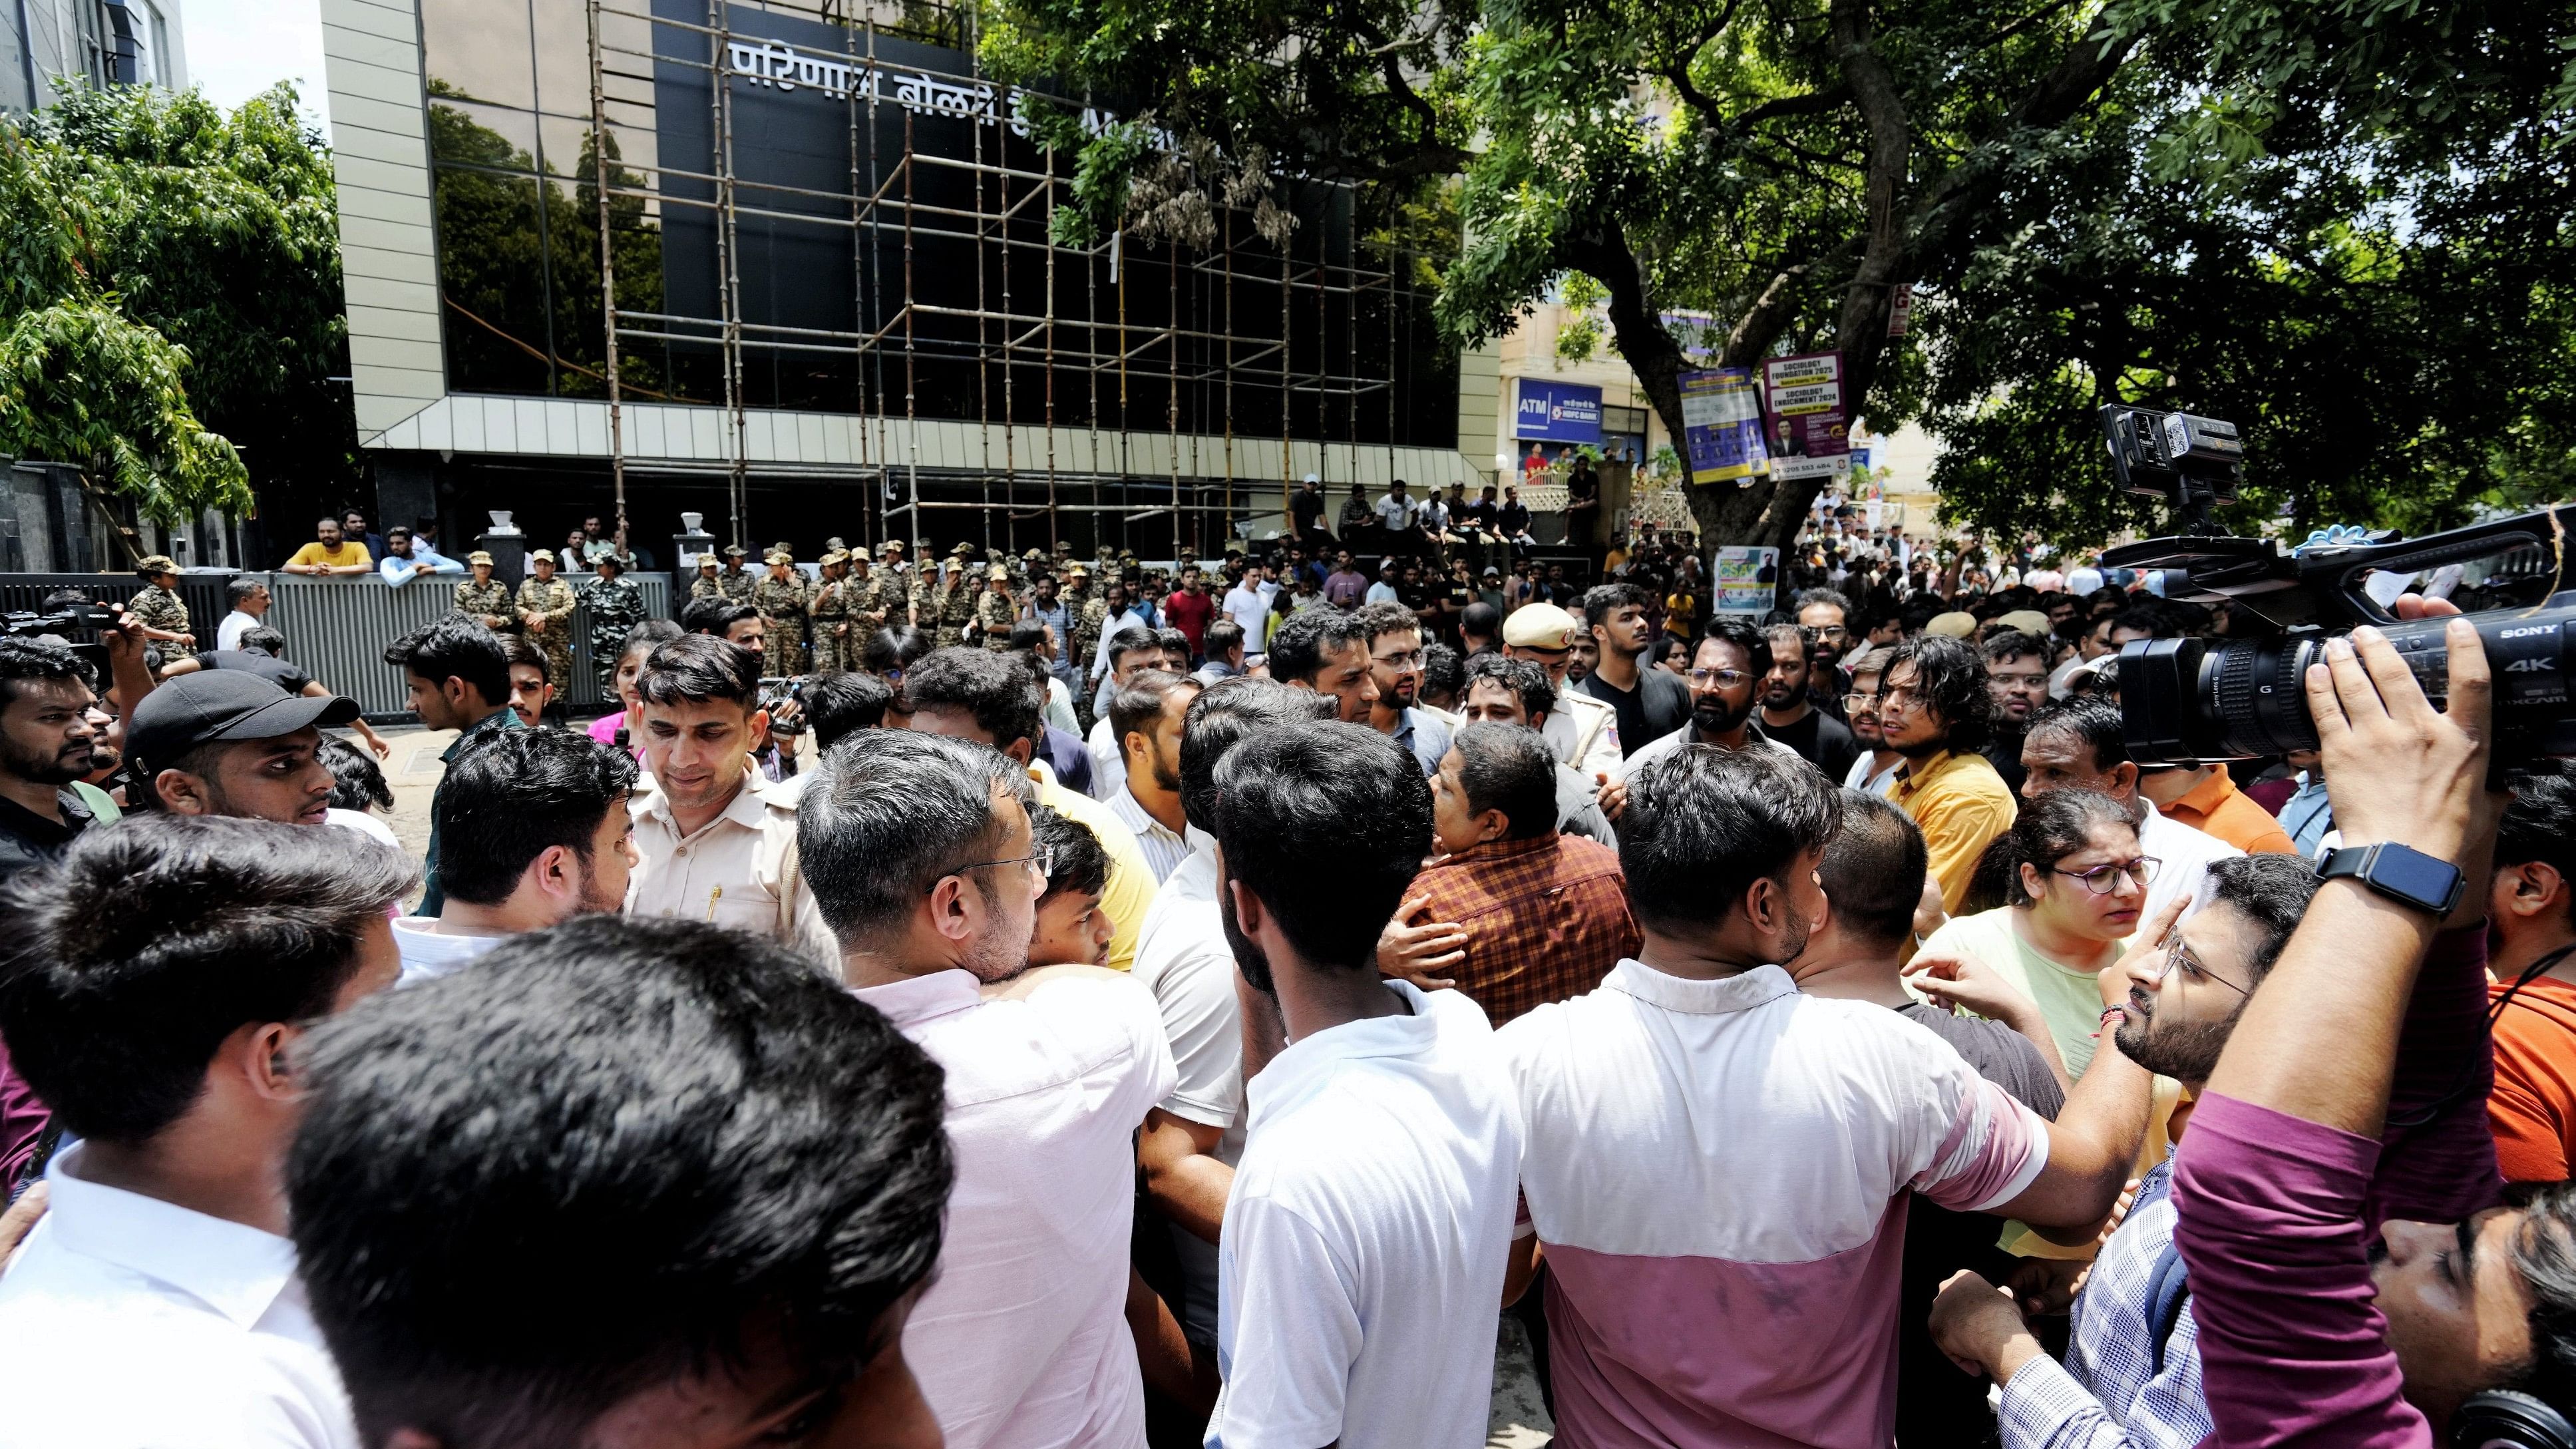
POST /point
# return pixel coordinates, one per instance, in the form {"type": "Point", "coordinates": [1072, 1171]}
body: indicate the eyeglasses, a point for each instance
{"type": "Point", "coordinates": [1040, 861]}
{"type": "Point", "coordinates": [1718, 678]}
{"type": "Point", "coordinates": [1402, 663]}
{"type": "Point", "coordinates": [1827, 631]}
{"type": "Point", "coordinates": [2175, 951]}
{"type": "Point", "coordinates": [2101, 879]}
{"type": "Point", "coordinates": [1860, 699]}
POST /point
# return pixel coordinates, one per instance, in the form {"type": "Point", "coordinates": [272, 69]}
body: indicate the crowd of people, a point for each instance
{"type": "Point", "coordinates": [941, 1008]}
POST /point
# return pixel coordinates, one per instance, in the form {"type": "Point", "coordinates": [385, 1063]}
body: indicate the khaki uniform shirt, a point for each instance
{"type": "Point", "coordinates": [737, 870]}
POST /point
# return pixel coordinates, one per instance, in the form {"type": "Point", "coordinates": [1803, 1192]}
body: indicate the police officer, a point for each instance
{"type": "Point", "coordinates": [709, 584]}
{"type": "Point", "coordinates": [831, 611]}
{"type": "Point", "coordinates": [545, 609]}
{"type": "Point", "coordinates": [781, 599]}
{"type": "Point", "coordinates": [995, 610]}
{"type": "Point", "coordinates": [485, 599]}
{"type": "Point", "coordinates": [957, 595]}
{"type": "Point", "coordinates": [736, 581]}
{"type": "Point", "coordinates": [616, 606]}
{"type": "Point", "coordinates": [158, 608]}
{"type": "Point", "coordinates": [867, 591]}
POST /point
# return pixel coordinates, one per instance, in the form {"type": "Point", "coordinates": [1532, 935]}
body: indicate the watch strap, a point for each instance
{"type": "Point", "coordinates": [2370, 864]}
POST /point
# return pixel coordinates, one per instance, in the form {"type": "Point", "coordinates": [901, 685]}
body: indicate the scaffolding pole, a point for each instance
{"type": "Point", "coordinates": [607, 273]}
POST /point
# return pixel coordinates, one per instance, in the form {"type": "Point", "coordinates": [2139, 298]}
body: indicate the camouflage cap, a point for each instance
{"type": "Point", "coordinates": [543, 556]}
{"type": "Point", "coordinates": [996, 571]}
{"type": "Point", "coordinates": [1034, 555]}
{"type": "Point", "coordinates": [962, 550]}
{"type": "Point", "coordinates": [836, 556]}
{"type": "Point", "coordinates": [779, 556]}
{"type": "Point", "coordinates": [157, 563]}
{"type": "Point", "coordinates": [708, 561]}
{"type": "Point", "coordinates": [479, 556]}
{"type": "Point", "coordinates": [735, 550]}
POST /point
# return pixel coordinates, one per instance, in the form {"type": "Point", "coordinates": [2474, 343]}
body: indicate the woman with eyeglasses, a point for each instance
{"type": "Point", "coordinates": [2075, 883]}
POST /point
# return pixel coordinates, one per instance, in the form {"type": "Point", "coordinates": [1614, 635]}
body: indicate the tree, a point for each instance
{"type": "Point", "coordinates": [2339, 227]}
{"type": "Point", "coordinates": [170, 276]}
{"type": "Point", "coordinates": [1778, 163]}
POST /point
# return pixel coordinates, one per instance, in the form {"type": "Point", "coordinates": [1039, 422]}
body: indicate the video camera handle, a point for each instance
{"type": "Point", "coordinates": [2324, 586]}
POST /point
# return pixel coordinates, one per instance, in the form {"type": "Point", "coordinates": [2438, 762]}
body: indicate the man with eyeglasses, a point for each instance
{"type": "Point", "coordinates": [1395, 666]}
{"type": "Point", "coordinates": [1789, 711]}
{"type": "Point", "coordinates": [1725, 680]}
{"type": "Point", "coordinates": [1875, 769]}
{"type": "Point", "coordinates": [1826, 615]}
{"type": "Point", "coordinates": [922, 857]}
{"type": "Point", "coordinates": [2131, 1375]}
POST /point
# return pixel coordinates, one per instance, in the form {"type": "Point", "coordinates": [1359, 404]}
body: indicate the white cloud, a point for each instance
{"type": "Point", "coordinates": [238, 48]}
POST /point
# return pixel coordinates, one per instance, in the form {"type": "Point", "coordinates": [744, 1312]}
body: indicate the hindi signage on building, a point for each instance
{"type": "Point", "coordinates": [1722, 426]}
{"type": "Point", "coordinates": [1557, 412]}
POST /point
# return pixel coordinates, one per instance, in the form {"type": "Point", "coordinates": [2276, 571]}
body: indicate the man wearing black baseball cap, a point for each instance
{"type": "Point", "coordinates": [224, 742]}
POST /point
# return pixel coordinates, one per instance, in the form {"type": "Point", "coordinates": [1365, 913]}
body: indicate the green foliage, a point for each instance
{"type": "Point", "coordinates": [170, 279]}
{"type": "Point", "coordinates": [82, 383]}
{"type": "Point", "coordinates": [2384, 309]}
{"type": "Point", "coordinates": [1580, 337]}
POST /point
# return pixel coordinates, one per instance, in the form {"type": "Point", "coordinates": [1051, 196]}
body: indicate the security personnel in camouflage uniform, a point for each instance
{"type": "Point", "coordinates": [545, 608]}
{"type": "Point", "coordinates": [158, 608]}
{"type": "Point", "coordinates": [835, 646]}
{"type": "Point", "coordinates": [736, 581]}
{"type": "Point", "coordinates": [995, 610]}
{"type": "Point", "coordinates": [709, 584]}
{"type": "Point", "coordinates": [616, 607]}
{"type": "Point", "coordinates": [957, 595]}
{"type": "Point", "coordinates": [869, 605]}
{"type": "Point", "coordinates": [485, 599]}
{"type": "Point", "coordinates": [781, 598]}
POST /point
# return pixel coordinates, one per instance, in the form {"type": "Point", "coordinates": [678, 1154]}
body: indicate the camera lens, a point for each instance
{"type": "Point", "coordinates": [2184, 701]}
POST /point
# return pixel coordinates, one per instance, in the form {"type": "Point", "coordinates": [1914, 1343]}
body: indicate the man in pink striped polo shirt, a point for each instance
{"type": "Point", "coordinates": [1717, 1167]}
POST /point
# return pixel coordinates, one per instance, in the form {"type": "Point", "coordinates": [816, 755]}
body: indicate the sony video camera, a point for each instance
{"type": "Point", "coordinates": [2184, 701]}
{"type": "Point", "coordinates": [66, 620]}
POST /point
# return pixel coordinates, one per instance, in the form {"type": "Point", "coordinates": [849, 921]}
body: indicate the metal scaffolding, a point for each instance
{"type": "Point", "coordinates": [908, 212]}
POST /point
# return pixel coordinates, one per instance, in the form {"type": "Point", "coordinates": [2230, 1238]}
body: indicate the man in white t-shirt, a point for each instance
{"type": "Point", "coordinates": [250, 599]}
{"type": "Point", "coordinates": [1248, 605]}
{"type": "Point", "coordinates": [1361, 1269]}
{"type": "Point", "coordinates": [1194, 1138]}
{"type": "Point", "coordinates": [1394, 510]}
{"type": "Point", "coordinates": [2078, 745]}
{"type": "Point", "coordinates": [539, 830]}
{"type": "Point", "coordinates": [921, 856]}
{"type": "Point", "coordinates": [1718, 1166]}
{"type": "Point", "coordinates": [157, 1301]}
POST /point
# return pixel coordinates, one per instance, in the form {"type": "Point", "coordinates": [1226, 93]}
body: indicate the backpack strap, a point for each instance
{"type": "Point", "coordinates": [2167, 1291]}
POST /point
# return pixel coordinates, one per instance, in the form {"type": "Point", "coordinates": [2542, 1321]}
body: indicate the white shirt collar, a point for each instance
{"type": "Point", "coordinates": [233, 1268]}
{"type": "Point", "coordinates": [1741, 992]}
{"type": "Point", "coordinates": [1376, 1036]}
{"type": "Point", "coordinates": [910, 1002]}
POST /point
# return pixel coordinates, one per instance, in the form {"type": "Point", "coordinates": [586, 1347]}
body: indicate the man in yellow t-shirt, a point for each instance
{"type": "Point", "coordinates": [330, 554]}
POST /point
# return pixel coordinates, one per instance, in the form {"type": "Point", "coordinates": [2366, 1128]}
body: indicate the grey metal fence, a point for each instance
{"type": "Point", "coordinates": [337, 629]}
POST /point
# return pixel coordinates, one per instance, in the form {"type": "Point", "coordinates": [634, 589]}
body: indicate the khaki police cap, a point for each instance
{"type": "Point", "coordinates": [1539, 626]}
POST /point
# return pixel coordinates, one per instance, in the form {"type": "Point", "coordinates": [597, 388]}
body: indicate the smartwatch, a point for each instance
{"type": "Point", "coordinates": [2398, 872]}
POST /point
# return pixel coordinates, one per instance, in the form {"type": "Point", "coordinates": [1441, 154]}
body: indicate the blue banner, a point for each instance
{"type": "Point", "coordinates": [1558, 412]}
{"type": "Point", "coordinates": [1722, 426]}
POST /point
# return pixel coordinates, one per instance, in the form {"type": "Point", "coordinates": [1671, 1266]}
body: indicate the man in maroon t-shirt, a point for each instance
{"type": "Point", "coordinates": [1189, 608]}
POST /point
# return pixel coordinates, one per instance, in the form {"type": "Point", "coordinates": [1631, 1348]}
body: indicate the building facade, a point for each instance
{"type": "Point", "coordinates": [45, 43]}
{"type": "Point", "coordinates": [844, 302]}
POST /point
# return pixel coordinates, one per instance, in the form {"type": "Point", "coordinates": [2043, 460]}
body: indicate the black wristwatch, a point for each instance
{"type": "Point", "coordinates": [2398, 872]}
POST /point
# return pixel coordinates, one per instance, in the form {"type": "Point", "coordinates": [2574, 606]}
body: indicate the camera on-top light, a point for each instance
{"type": "Point", "coordinates": [2184, 701]}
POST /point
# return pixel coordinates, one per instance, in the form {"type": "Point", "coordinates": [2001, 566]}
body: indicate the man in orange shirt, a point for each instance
{"type": "Point", "coordinates": [1934, 710]}
{"type": "Point", "coordinates": [2206, 799]}
{"type": "Point", "coordinates": [2531, 930]}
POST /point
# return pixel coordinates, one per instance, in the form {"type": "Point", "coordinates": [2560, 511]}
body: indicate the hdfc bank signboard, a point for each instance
{"type": "Point", "coordinates": [1557, 412]}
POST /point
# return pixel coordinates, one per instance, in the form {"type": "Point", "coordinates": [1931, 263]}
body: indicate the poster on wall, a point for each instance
{"type": "Point", "coordinates": [1557, 412]}
{"type": "Point", "coordinates": [1809, 433]}
{"type": "Point", "coordinates": [1748, 579]}
{"type": "Point", "coordinates": [1722, 426]}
